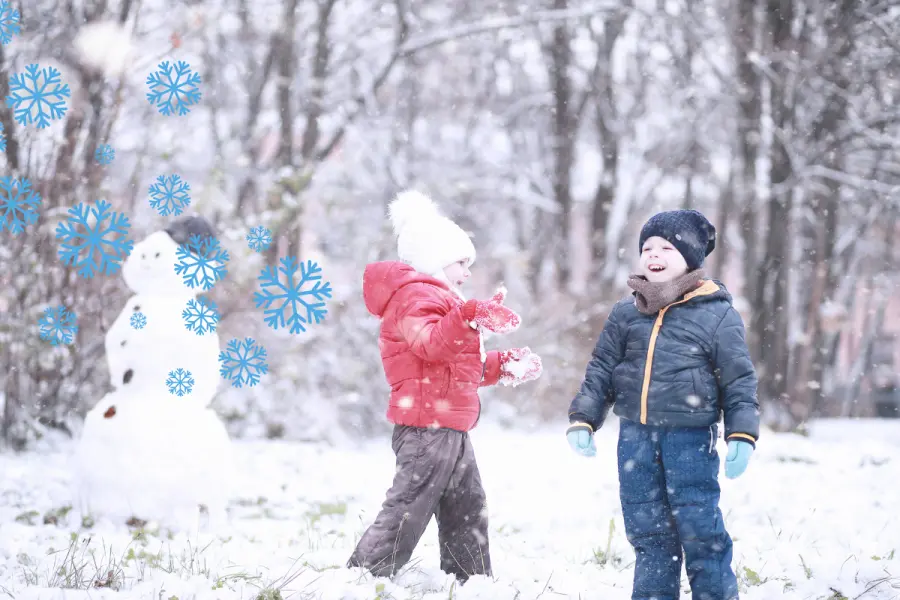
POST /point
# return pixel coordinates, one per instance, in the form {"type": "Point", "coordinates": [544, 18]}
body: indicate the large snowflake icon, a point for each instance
{"type": "Point", "coordinates": [259, 239]}
{"type": "Point", "coordinates": [201, 315]}
{"type": "Point", "coordinates": [94, 239]}
{"type": "Point", "coordinates": [243, 362]}
{"type": "Point", "coordinates": [18, 204]}
{"type": "Point", "coordinates": [173, 89]}
{"type": "Point", "coordinates": [104, 154]}
{"type": "Point", "coordinates": [37, 96]}
{"type": "Point", "coordinates": [290, 295]}
{"type": "Point", "coordinates": [9, 23]}
{"type": "Point", "coordinates": [58, 325]}
{"type": "Point", "coordinates": [169, 195]}
{"type": "Point", "coordinates": [180, 382]}
{"type": "Point", "coordinates": [138, 320]}
{"type": "Point", "coordinates": [201, 262]}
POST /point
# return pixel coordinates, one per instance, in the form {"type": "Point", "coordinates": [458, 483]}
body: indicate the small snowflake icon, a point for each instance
{"type": "Point", "coordinates": [18, 204]}
{"type": "Point", "coordinates": [290, 295]}
{"type": "Point", "coordinates": [138, 320]}
{"type": "Point", "coordinates": [58, 325]}
{"type": "Point", "coordinates": [9, 23]}
{"type": "Point", "coordinates": [243, 362]}
{"type": "Point", "coordinates": [173, 89]}
{"type": "Point", "coordinates": [180, 382]}
{"type": "Point", "coordinates": [37, 96]}
{"type": "Point", "coordinates": [2, 139]}
{"type": "Point", "coordinates": [169, 195]}
{"type": "Point", "coordinates": [259, 239]}
{"type": "Point", "coordinates": [94, 239]}
{"type": "Point", "coordinates": [201, 262]}
{"type": "Point", "coordinates": [104, 154]}
{"type": "Point", "coordinates": [201, 315]}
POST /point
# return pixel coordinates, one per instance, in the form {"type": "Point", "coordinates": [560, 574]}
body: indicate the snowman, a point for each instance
{"type": "Point", "coordinates": [152, 450]}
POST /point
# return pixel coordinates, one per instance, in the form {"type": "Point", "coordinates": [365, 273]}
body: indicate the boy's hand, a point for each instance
{"type": "Point", "coordinates": [491, 315]}
{"type": "Point", "coordinates": [581, 439]}
{"type": "Point", "coordinates": [519, 365]}
{"type": "Point", "coordinates": [738, 456]}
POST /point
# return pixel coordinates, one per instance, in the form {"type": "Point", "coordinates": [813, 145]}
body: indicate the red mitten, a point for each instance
{"type": "Point", "coordinates": [491, 314]}
{"type": "Point", "coordinates": [519, 365]}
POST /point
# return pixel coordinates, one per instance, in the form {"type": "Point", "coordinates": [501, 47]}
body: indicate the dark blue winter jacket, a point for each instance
{"type": "Point", "coordinates": [682, 367]}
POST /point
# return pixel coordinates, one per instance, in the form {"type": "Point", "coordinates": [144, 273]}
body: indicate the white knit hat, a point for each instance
{"type": "Point", "coordinates": [427, 240]}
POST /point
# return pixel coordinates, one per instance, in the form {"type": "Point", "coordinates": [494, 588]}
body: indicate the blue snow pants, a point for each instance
{"type": "Point", "coordinates": [669, 489]}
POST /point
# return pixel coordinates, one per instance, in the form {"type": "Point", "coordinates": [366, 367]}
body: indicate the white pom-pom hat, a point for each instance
{"type": "Point", "coordinates": [427, 240]}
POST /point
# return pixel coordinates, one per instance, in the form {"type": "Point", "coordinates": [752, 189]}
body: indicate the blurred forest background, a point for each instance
{"type": "Point", "coordinates": [549, 129]}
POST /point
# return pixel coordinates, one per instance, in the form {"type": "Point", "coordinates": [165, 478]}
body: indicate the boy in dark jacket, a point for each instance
{"type": "Point", "coordinates": [672, 360]}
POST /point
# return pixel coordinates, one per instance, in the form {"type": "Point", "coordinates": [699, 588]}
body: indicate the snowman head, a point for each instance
{"type": "Point", "coordinates": [150, 268]}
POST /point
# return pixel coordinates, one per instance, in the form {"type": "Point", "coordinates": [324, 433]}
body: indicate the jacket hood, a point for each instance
{"type": "Point", "coordinates": [381, 280]}
{"type": "Point", "coordinates": [712, 289]}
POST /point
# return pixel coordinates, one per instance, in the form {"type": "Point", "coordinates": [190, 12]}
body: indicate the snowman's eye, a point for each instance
{"type": "Point", "coordinates": [136, 308]}
{"type": "Point", "coordinates": [157, 255]}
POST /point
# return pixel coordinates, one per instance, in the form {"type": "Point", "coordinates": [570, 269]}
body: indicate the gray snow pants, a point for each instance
{"type": "Point", "coordinates": [436, 475]}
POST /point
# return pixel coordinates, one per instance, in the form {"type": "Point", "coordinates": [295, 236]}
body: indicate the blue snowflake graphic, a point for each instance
{"type": "Point", "coordinates": [138, 320]}
{"type": "Point", "coordinates": [173, 89]}
{"type": "Point", "coordinates": [101, 246]}
{"type": "Point", "coordinates": [201, 315]}
{"type": "Point", "coordinates": [2, 139]}
{"type": "Point", "coordinates": [104, 154]}
{"type": "Point", "coordinates": [259, 239]}
{"type": "Point", "coordinates": [201, 262]}
{"type": "Point", "coordinates": [9, 23]}
{"type": "Point", "coordinates": [169, 196]}
{"type": "Point", "coordinates": [292, 295]}
{"type": "Point", "coordinates": [18, 204]}
{"type": "Point", "coordinates": [37, 96]}
{"type": "Point", "coordinates": [180, 382]}
{"type": "Point", "coordinates": [58, 325]}
{"type": "Point", "coordinates": [243, 362]}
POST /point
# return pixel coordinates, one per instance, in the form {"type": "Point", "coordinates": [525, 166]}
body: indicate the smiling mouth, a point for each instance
{"type": "Point", "coordinates": [656, 268]}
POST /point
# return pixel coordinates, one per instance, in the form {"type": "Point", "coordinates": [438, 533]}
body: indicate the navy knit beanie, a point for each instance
{"type": "Point", "coordinates": [688, 230]}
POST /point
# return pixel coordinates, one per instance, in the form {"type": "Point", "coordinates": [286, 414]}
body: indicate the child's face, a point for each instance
{"type": "Point", "coordinates": [457, 272]}
{"type": "Point", "coordinates": [661, 261]}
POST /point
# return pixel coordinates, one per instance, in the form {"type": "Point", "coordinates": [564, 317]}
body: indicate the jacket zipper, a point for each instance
{"type": "Point", "coordinates": [707, 288]}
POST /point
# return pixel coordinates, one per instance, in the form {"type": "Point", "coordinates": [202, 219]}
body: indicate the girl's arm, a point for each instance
{"type": "Point", "coordinates": [433, 333]}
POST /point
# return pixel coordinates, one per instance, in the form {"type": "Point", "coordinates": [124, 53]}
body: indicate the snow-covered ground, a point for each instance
{"type": "Point", "coordinates": [813, 518]}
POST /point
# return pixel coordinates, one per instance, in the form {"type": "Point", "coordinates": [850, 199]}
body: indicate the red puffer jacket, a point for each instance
{"type": "Point", "coordinates": [431, 356]}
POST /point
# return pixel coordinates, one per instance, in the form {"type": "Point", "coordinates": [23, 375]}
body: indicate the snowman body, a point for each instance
{"type": "Point", "coordinates": [145, 450]}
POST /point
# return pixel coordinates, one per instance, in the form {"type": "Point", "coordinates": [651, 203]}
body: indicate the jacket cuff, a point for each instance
{"type": "Point", "coordinates": [742, 437]}
{"type": "Point", "coordinates": [578, 425]}
{"type": "Point", "coordinates": [491, 369]}
{"type": "Point", "coordinates": [468, 310]}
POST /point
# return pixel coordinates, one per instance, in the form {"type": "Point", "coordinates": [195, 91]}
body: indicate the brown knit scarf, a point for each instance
{"type": "Point", "coordinates": [651, 297]}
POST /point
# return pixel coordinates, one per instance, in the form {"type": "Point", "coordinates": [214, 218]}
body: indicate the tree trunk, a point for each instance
{"type": "Point", "coordinates": [564, 125]}
{"type": "Point", "coordinates": [744, 36]}
{"type": "Point", "coordinates": [772, 311]}
{"type": "Point", "coordinates": [608, 126]}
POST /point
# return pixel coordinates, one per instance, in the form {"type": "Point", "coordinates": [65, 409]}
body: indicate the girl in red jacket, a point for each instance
{"type": "Point", "coordinates": [434, 360]}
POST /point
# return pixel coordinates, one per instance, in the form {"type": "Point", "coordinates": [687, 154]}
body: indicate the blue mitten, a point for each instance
{"type": "Point", "coordinates": [581, 439]}
{"type": "Point", "coordinates": [738, 456]}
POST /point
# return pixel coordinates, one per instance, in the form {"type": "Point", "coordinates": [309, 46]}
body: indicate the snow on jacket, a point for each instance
{"type": "Point", "coordinates": [682, 367]}
{"type": "Point", "coordinates": [432, 357]}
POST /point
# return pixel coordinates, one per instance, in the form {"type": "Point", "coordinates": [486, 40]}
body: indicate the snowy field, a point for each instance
{"type": "Point", "coordinates": [813, 518]}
